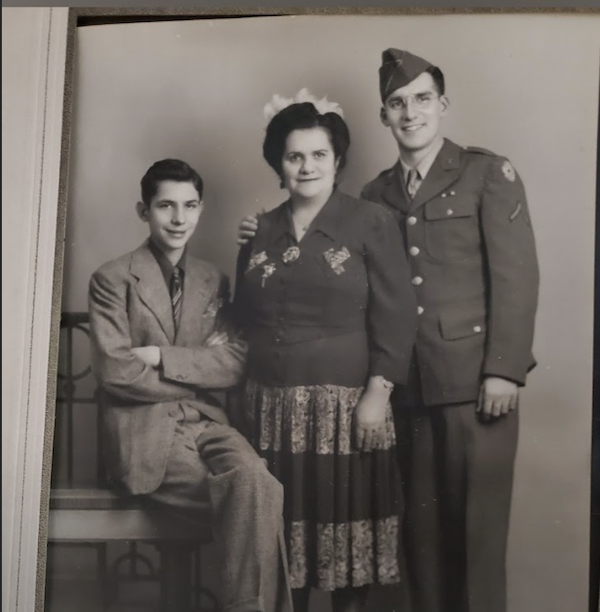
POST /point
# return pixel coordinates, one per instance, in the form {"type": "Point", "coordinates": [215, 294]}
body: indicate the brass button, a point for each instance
{"type": "Point", "coordinates": [420, 310]}
{"type": "Point", "coordinates": [417, 280]}
{"type": "Point", "coordinates": [411, 220]}
{"type": "Point", "coordinates": [477, 329]}
{"type": "Point", "coordinates": [414, 250]}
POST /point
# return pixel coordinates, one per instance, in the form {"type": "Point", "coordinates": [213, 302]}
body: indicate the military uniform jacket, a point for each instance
{"type": "Point", "coordinates": [130, 306]}
{"type": "Point", "coordinates": [474, 269]}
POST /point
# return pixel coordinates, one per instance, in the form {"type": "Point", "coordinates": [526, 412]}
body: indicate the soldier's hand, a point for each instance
{"type": "Point", "coordinates": [247, 229]}
{"type": "Point", "coordinates": [369, 423]}
{"type": "Point", "coordinates": [497, 397]}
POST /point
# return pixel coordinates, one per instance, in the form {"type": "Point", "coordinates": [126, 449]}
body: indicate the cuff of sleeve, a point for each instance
{"type": "Point", "coordinates": [397, 374]}
{"type": "Point", "coordinates": [506, 373]}
{"type": "Point", "coordinates": [175, 360]}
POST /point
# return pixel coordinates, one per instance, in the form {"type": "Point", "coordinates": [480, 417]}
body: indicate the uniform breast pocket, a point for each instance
{"type": "Point", "coordinates": [452, 228]}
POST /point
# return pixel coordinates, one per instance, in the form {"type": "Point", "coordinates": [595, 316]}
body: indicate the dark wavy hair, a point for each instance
{"type": "Point", "coordinates": [303, 116]}
{"type": "Point", "coordinates": [169, 170]}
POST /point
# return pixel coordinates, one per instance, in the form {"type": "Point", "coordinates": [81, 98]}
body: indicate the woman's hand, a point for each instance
{"type": "Point", "coordinates": [370, 415]}
{"type": "Point", "coordinates": [247, 229]}
{"type": "Point", "coordinates": [150, 355]}
{"type": "Point", "coordinates": [217, 339]}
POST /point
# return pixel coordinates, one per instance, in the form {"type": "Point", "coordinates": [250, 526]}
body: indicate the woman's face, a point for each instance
{"type": "Point", "coordinates": [309, 165]}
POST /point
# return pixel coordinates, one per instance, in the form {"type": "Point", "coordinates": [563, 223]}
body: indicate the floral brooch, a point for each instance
{"type": "Point", "coordinates": [256, 259]}
{"type": "Point", "coordinates": [268, 269]}
{"type": "Point", "coordinates": [336, 258]}
{"type": "Point", "coordinates": [290, 255]}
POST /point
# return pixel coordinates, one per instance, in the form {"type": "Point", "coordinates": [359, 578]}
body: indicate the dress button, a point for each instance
{"type": "Point", "coordinates": [443, 195]}
{"type": "Point", "coordinates": [477, 329]}
{"type": "Point", "coordinates": [420, 310]}
{"type": "Point", "coordinates": [411, 220]}
{"type": "Point", "coordinates": [417, 280]}
{"type": "Point", "coordinates": [414, 250]}
{"type": "Point", "coordinates": [453, 193]}
{"type": "Point", "coordinates": [449, 212]}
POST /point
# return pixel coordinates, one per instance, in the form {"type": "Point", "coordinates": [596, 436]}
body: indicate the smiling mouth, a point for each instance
{"type": "Point", "coordinates": [176, 233]}
{"type": "Point", "coordinates": [411, 128]}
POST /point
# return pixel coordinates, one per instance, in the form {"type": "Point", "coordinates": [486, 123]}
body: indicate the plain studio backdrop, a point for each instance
{"type": "Point", "coordinates": [525, 86]}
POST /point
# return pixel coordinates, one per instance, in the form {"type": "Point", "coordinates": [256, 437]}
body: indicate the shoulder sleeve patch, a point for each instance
{"type": "Point", "coordinates": [508, 171]}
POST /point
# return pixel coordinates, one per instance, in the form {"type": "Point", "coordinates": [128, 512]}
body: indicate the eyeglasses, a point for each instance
{"type": "Point", "coordinates": [421, 101]}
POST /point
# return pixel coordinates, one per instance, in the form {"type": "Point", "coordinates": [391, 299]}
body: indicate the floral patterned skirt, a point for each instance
{"type": "Point", "coordinates": [342, 507]}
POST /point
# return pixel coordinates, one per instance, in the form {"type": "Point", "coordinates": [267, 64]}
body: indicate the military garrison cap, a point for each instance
{"type": "Point", "coordinates": [398, 68]}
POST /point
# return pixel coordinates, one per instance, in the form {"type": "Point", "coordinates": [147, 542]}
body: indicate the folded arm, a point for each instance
{"type": "Point", "coordinates": [220, 362]}
{"type": "Point", "coordinates": [118, 369]}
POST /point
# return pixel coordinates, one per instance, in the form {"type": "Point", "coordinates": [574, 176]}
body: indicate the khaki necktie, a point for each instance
{"type": "Point", "coordinates": [412, 180]}
{"type": "Point", "coordinates": [176, 294]}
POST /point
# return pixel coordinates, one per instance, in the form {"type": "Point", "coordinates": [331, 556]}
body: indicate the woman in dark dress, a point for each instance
{"type": "Point", "coordinates": [325, 299]}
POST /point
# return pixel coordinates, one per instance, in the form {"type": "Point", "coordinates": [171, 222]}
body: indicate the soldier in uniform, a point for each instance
{"type": "Point", "coordinates": [464, 217]}
{"type": "Point", "coordinates": [465, 220]}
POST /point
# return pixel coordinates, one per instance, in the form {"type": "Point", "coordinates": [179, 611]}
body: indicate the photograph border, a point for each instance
{"type": "Point", "coordinates": [36, 446]}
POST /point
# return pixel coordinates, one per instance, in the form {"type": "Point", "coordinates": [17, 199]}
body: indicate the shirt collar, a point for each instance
{"type": "Point", "coordinates": [166, 267]}
{"type": "Point", "coordinates": [425, 164]}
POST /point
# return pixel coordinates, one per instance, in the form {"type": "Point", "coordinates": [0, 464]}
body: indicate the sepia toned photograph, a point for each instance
{"type": "Point", "coordinates": [326, 323]}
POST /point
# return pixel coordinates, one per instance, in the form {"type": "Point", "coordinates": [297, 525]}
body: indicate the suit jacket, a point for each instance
{"type": "Point", "coordinates": [474, 268]}
{"type": "Point", "coordinates": [130, 306]}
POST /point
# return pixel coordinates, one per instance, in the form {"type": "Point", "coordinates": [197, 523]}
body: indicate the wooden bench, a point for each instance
{"type": "Point", "coordinates": [96, 516]}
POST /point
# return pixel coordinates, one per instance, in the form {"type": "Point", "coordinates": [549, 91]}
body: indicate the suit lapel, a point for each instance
{"type": "Point", "coordinates": [394, 192]}
{"type": "Point", "coordinates": [196, 293]}
{"type": "Point", "coordinates": [443, 172]}
{"type": "Point", "coordinates": [152, 289]}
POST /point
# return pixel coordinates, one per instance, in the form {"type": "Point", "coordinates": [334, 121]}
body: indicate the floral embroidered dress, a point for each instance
{"type": "Point", "coordinates": [321, 316]}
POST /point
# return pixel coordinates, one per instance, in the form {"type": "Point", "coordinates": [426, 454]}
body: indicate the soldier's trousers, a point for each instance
{"type": "Point", "coordinates": [458, 476]}
{"type": "Point", "coordinates": [214, 462]}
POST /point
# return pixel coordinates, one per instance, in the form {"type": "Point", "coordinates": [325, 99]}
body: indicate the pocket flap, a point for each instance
{"type": "Point", "coordinates": [449, 208]}
{"type": "Point", "coordinates": [462, 324]}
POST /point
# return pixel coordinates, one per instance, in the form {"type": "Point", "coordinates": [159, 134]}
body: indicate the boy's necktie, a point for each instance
{"type": "Point", "coordinates": [176, 294]}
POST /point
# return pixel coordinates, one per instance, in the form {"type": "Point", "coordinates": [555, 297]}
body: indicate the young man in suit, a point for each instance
{"type": "Point", "coordinates": [161, 343]}
{"type": "Point", "coordinates": [465, 221]}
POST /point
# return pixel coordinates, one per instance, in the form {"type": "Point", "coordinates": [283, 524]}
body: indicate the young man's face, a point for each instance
{"type": "Point", "coordinates": [414, 114]}
{"type": "Point", "coordinates": [172, 215]}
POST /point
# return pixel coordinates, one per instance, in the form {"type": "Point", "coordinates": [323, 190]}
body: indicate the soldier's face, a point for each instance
{"type": "Point", "coordinates": [414, 113]}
